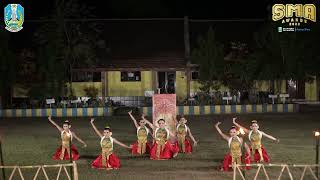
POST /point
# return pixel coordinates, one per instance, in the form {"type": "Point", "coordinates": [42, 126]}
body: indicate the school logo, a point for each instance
{"type": "Point", "coordinates": [13, 17]}
{"type": "Point", "coordinates": [293, 16]}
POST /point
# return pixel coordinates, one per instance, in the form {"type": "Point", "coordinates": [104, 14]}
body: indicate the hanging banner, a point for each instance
{"type": "Point", "coordinates": [164, 107]}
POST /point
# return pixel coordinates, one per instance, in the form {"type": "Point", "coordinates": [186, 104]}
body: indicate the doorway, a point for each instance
{"type": "Point", "coordinates": [296, 89]}
{"type": "Point", "coordinates": [167, 82]}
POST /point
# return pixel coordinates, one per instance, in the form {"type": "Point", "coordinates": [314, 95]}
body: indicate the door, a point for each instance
{"type": "Point", "coordinates": [296, 89]}
{"type": "Point", "coordinates": [167, 82]}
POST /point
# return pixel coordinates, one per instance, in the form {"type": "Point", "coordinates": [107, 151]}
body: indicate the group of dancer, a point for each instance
{"type": "Point", "coordinates": [165, 144]}
{"type": "Point", "coordinates": [253, 153]}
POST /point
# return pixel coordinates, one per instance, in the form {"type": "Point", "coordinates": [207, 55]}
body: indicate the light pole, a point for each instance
{"type": "Point", "coordinates": [243, 151]}
{"type": "Point", "coordinates": [317, 136]}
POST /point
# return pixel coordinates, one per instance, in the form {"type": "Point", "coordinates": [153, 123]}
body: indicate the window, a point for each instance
{"type": "Point", "coordinates": [131, 76]}
{"type": "Point", "coordinates": [195, 75]}
{"type": "Point", "coordinates": [86, 77]}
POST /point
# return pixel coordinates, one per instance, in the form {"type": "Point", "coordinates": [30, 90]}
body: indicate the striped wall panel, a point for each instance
{"type": "Point", "coordinates": [186, 110]}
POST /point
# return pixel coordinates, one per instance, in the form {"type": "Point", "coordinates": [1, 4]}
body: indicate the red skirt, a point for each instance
{"type": "Point", "coordinates": [175, 147]}
{"type": "Point", "coordinates": [134, 149]}
{"type": "Point", "coordinates": [113, 161]}
{"type": "Point", "coordinates": [75, 154]}
{"type": "Point", "coordinates": [256, 156]}
{"type": "Point", "coordinates": [167, 153]}
{"type": "Point", "coordinates": [187, 146]}
{"type": "Point", "coordinates": [227, 162]}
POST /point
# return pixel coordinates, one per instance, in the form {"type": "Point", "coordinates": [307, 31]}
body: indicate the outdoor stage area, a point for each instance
{"type": "Point", "coordinates": [33, 142]}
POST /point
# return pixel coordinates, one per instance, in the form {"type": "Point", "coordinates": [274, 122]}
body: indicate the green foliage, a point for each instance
{"type": "Point", "coordinates": [63, 45]}
{"type": "Point", "coordinates": [274, 56]}
{"type": "Point", "coordinates": [209, 56]}
{"type": "Point", "coordinates": [7, 67]}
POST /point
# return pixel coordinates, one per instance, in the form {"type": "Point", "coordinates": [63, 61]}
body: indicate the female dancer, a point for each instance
{"type": "Point", "coordinates": [255, 136]}
{"type": "Point", "coordinates": [141, 146]}
{"type": "Point", "coordinates": [182, 131]}
{"type": "Point", "coordinates": [235, 144]}
{"type": "Point", "coordinates": [162, 148]}
{"type": "Point", "coordinates": [62, 153]}
{"type": "Point", "coordinates": [107, 159]}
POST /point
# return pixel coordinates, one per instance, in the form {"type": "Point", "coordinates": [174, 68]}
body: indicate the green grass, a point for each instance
{"type": "Point", "coordinates": [33, 141]}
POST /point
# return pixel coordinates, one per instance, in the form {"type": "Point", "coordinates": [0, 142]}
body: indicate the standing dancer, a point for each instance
{"type": "Point", "coordinates": [62, 153]}
{"type": "Point", "coordinates": [255, 136]}
{"type": "Point", "coordinates": [235, 144]}
{"type": "Point", "coordinates": [182, 131]}
{"type": "Point", "coordinates": [107, 159]}
{"type": "Point", "coordinates": [162, 148]}
{"type": "Point", "coordinates": [141, 146]}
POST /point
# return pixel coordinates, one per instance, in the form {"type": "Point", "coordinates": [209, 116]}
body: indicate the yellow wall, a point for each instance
{"type": "Point", "coordinates": [133, 88]}
{"type": "Point", "coordinates": [262, 85]}
{"type": "Point", "coordinates": [181, 85]}
{"type": "Point", "coordinates": [78, 88]}
{"type": "Point", "coordinates": [311, 91]}
{"type": "Point", "coordinates": [282, 84]}
{"type": "Point", "coordinates": [20, 91]}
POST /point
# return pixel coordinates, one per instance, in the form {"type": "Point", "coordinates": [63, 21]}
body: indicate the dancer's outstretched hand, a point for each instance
{"type": "Point", "coordinates": [84, 145]}
{"type": "Point", "coordinates": [277, 140]}
{"type": "Point", "coordinates": [195, 143]}
{"type": "Point", "coordinates": [130, 112]}
{"type": "Point", "coordinates": [218, 123]}
{"type": "Point", "coordinates": [234, 120]}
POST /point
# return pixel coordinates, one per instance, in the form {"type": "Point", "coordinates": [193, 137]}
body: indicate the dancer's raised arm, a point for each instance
{"type": "Point", "coordinates": [55, 124]}
{"type": "Point", "coordinates": [121, 144]}
{"type": "Point", "coordinates": [192, 138]}
{"type": "Point", "coordinates": [133, 119]}
{"type": "Point", "coordinates": [224, 136]}
{"type": "Point", "coordinates": [239, 126]}
{"type": "Point", "coordinates": [270, 137]}
{"type": "Point", "coordinates": [78, 139]}
{"type": "Point", "coordinates": [95, 128]}
{"type": "Point", "coordinates": [150, 124]}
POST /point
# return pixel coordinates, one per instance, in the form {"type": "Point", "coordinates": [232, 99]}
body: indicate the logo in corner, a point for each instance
{"type": "Point", "coordinates": [13, 17]}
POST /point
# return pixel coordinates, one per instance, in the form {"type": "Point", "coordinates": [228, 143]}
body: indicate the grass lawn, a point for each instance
{"type": "Point", "coordinates": [33, 141]}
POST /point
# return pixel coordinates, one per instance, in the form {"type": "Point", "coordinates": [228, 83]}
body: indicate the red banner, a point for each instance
{"type": "Point", "coordinates": [164, 107]}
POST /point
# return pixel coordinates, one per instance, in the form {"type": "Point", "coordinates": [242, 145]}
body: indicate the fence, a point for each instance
{"type": "Point", "coordinates": [237, 168]}
{"type": "Point", "coordinates": [42, 168]}
{"type": "Point", "coordinates": [186, 110]}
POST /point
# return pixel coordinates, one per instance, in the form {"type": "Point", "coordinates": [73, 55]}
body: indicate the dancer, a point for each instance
{"type": "Point", "coordinates": [141, 146]}
{"type": "Point", "coordinates": [255, 135]}
{"type": "Point", "coordinates": [62, 153]}
{"type": "Point", "coordinates": [182, 131]}
{"type": "Point", "coordinates": [162, 148]}
{"type": "Point", "coordinates": [235, 144]}
{"type": "Point", "coordinates": [107, 160]}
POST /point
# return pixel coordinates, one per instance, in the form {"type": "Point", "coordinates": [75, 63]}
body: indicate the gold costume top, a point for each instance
{"type": "Point", "coordinates": [107, 144]}
{"type": "Point", "coordinates": [182, 130]}
{"type": "Point", "coordinates": [255, 139]}
{"type": "Point", "coordinates": [235, 149]}
{"type": "Point", "coordinates": [162, 135]}
{"type": "Point", "coordinates": [107, 149]}
{"type": "Point", "coordinates": [142, 135]}
{"type": "Point", "coordinates": [66, 137]}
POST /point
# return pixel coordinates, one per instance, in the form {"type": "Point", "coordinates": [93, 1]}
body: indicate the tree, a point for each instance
{"type": "Point", "coordinates": [209, 56]}
{"type": "Point", "coordinates": [286, 55]}
{"type": "Point", "coordinates": [7, 68]}
{"type": "Point", "coordinates": [64, 45]}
